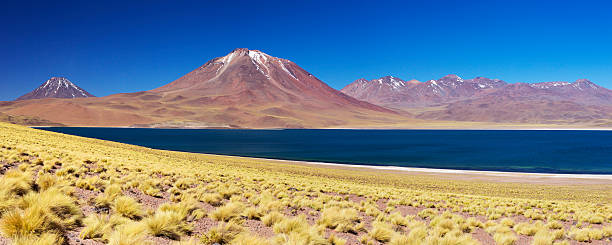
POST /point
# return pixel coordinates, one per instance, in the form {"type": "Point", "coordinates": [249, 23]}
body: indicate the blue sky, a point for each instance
{"type": "Point", "coordinates": [118, 47]}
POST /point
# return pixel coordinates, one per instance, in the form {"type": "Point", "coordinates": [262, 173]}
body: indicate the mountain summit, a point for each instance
{"type": "Point", "coordinates": [56, 87]}
{"type": "Point", "coordinates": [251, 77]}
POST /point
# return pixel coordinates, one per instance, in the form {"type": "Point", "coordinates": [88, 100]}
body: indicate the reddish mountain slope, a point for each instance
{"type": "Point", "coordinates": [253, 77]}
{"type": "Point", "coordinates": [56, 87]}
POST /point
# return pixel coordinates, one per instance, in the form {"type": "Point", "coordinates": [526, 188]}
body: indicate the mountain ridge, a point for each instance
{"type": "Point", "coordinates": [493, 100]}
{"type": "Point", "coordinates": [251, 89]}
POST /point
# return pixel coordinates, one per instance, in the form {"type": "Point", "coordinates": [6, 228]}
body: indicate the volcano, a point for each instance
{"type": "Point", "coordinates": [253, 78]}
{"type": "Point", "coordinates": [56, 87]}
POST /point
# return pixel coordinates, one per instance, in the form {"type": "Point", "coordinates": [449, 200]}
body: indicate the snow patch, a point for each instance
{"type": "Point", "coordinates": [435, 87]}
{"type": "Point", "coordinates": [546, 85]}
{"type": "Point", "coordinates": [259, 58]}
{"type": "Point", "coordinates": [396, 83]}
{"type": "Point", "coordinates": [228, 58]}
{"type": "Point", "coordinates": [286, 70]}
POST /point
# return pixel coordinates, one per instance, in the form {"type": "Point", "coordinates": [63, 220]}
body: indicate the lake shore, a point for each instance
{"type": "Point", "coordinates": [361, 128]}
{"type": "Point", "coordinates": [494, 176]}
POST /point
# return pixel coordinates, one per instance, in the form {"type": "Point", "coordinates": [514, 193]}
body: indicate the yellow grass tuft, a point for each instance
{"type": "Point", "coordinates": [381, 232]}
{"type": "Point", "coordinates": [167, 224]}
{"type": "Point", "coordinates": [224, 233]}
{"type": "Point", "coordinates": [272, 218]}
{"type": "Point", "coordinates": [340, 219]}
{"type": "Point", "coordinates": [129, 233]}
{"type": "Point", "coordinates": [229, 211]}
{"type": "Point", "coordinates": [127, 207]}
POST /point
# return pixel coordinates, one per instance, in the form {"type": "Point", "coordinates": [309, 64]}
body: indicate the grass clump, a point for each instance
{"type": "Point", "coordinates": [168, 224]}
{"type": "Point", "coordinates": [106, 199]}
{"type": "Point", "coordinates": [230, 211]}
{"type": "Point", "coordinates": [101, 226]}
{"type": "Point", "coordinates": [505, 238]}
{"type": "Point", "coordinates": [340, 219]}
{"type": "Point", "coordinates": [214, 199]}
{"type": "Point", "coordinates": [381, 232]}
{"type": "Point", "coordinates": [272, 218]}
{"type": "Point", "coordinates": [128, 234]}
{"type": "Point", "coordinates": [224, 233]}
{"type": "Point", "coordinates": [528, 229]}
{"type": "Point", "coordinates": [427, 213]}
{"type": "Point", "coordinates": [38, 213]}
{"type": "Point", "coordinates": [127, 207]}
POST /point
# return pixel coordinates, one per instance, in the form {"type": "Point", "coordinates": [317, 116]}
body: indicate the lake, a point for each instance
{"type": "Point", "coordinates": [544, 151]}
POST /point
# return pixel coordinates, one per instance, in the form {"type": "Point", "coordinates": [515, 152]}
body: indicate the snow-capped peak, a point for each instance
{"type": "Point", "coordinates": [56, 87]}
{"type": "Point", "coordinates": [264, 63]}
{"type": "Point", "coordinates": [394, 82]}
{"type": "Point", "coordinates": [258, 56]}
{"type": "Point", "coordinates": [582, 84]}
{"type": "Point", "coordinates": [259, 59]}
{"type": "Point", "coordinates": [54, 84]}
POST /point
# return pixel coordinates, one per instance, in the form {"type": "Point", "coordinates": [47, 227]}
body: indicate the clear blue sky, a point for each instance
{"type": "Point", "coordinates": [117, 47]}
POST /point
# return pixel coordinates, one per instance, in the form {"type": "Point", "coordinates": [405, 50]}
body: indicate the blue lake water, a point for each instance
{"type": "Point", "coordinates": [547, 151]}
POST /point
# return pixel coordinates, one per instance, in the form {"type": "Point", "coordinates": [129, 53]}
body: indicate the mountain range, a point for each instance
{"type": "Point", "coordinates": [489, 100]}
{"type": "Point", "coordinates": [245, 88]}
{"type": "Point", "coordinates": [251, 89]}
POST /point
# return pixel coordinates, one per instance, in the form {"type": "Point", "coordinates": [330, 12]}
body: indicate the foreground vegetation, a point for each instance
{"type": "Point", "coordinates": [59, 189]}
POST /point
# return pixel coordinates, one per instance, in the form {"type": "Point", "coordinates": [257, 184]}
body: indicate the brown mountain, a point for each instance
{"type": "Point", "coordinates": [246, 88]}
{"type": "Point", "coordinates": [56, 87]}
{"type": "Point", "coordinates": [491, 100]}
{"type": "Point", "coordinates": [253, 78]}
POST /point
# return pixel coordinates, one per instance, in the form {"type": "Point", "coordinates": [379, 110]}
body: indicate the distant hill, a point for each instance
{"type": "Point", "coordinates": [56, 87]}
{"type": "Point", "coordinates": [28, 121]}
